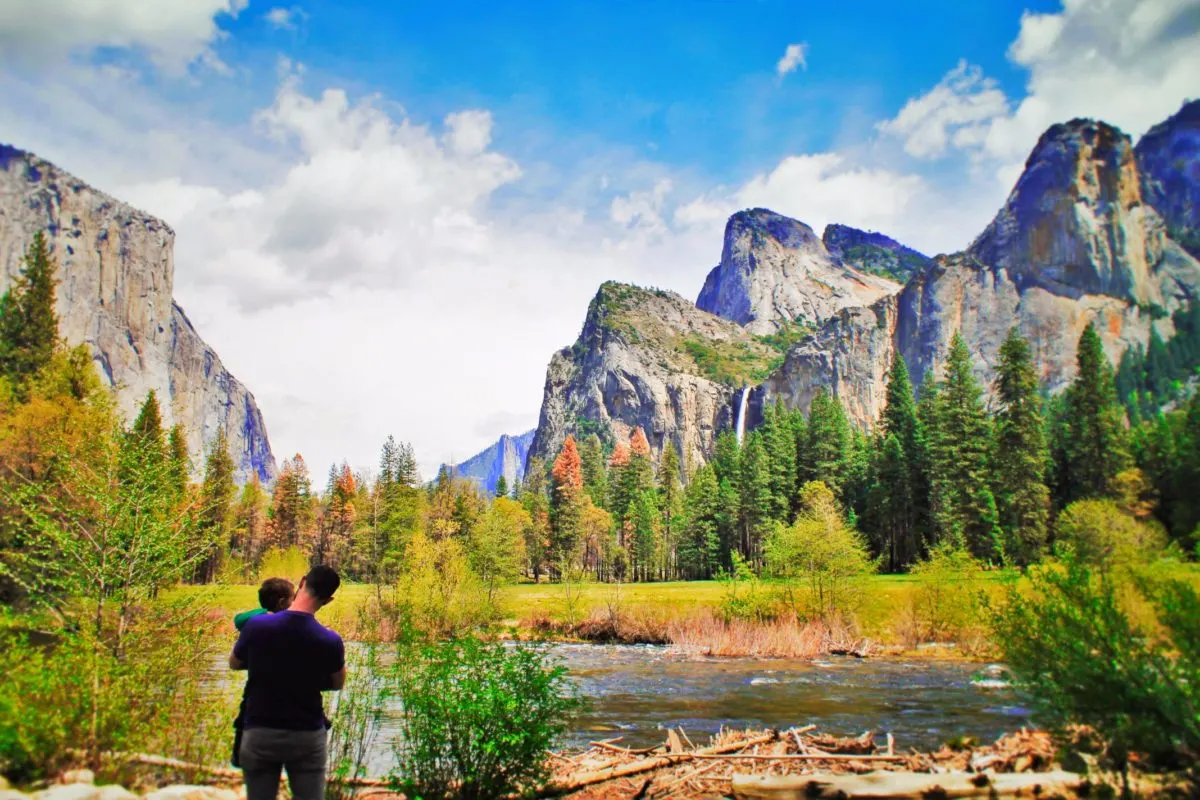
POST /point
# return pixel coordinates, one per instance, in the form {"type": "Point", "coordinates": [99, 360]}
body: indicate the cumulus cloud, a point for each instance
{"type": "Point", "coordinates": [1127, 62]}
{"type": "Point", "coordinates": [642, 210]}
{"type": "Point", "coordinates": [796, 55]}
{"type": "Point", "coordinates": [957, 109]}
{"type": "Point", "coordinates": [284, 18]}
{"type": "Point", "coordinates": [172, 33]}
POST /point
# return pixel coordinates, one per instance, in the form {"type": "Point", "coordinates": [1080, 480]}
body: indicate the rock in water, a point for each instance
{"type": "Point", "coordinates": [1168, 158]}
{"type": "Point", "coordinates": [650, 359]}
{"type": "Point", "coordinates": [774, 272]}
{"type": "Point", "coordinates": [116, 272]}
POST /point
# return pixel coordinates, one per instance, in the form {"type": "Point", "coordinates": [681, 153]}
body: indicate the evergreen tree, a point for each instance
{"type": "Point", "coordinates": [726, 453]}
{"type": "Point", "coordinates": [645, 523]}
{"type": "Point", "coordinates": [700, 548]}
{"type": "Point", "coordinates": [1019, 467]}
{"type": "Point", "coordinates": [892, 532]}
{"type": "Point", "coordinates": [250, 521]}
{"type": "Point", "coordinates": [670, 501]}
{"type": "Point", "coordinates": [963, 504]}
{"type": "Point", "coordinates": [291, 515]}
{"type": "Point", "coordinates": [389, 461]}
{"type": "Point", "coordinates": [595, 477]}
{"type": "Point", "coordinates": [406, 472]}
{"type": "Point", "coordinates": [215, 524]}
{"type": "Point", "coordinates": [28, 323]}
{"type": "Point", "coordinates": [534, 498]}
{"type": "Point", "coordinates": [178, 461]}
{"type": "Point", "coordinates": [827, 447]}
{"type": "Point", "coordinates": [1095, 448]}
{"type": "Point", "coordinates": [618, 497]}
{"type": "Point", "coordinates": [780, 443]}
{"type": "Point", "coordinates": [566, 508]}
{"type": "Point", "coordinates": [756, 497]}
{"type": "Point", "coordinates": [1185, 517]}
{"type": "Point", "coordinates": [908, 495]}
{"type": "Point", "coordinates": [148, 428]}
{"type": "Point", "coordinates": [501, 487]}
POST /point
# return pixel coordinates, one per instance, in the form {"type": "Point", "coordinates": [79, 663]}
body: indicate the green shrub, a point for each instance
{"type": "Point", "coordinates": [743, 594]}
{"type": "Point", "coordinates": [74, 698]}
{"type": "Point", "coordinates": [1073, 646]}
{"type": "Point", "coordinates": [1101, 533]}
{"type": "Point", "coordinates": [946, 602]}
{"type": "Point", "coordinates": [479, 718]}
{"type": "Point", "coordinates": [357, 711]}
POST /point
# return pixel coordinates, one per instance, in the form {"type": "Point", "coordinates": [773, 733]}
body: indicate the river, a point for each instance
{"type": "Point", "coordinates": [636, 691]}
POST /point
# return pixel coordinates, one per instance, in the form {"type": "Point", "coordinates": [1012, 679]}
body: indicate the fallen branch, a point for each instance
{"type": "Point", "coordinates": [646, 765]}
{"type": "Point", "coordinates": [900, 784]}
{"type": "Point", "coordinates": [802, 757]}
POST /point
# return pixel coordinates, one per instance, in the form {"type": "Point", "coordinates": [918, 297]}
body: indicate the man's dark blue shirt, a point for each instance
{"type": "Point", "coordinates": [291, 658]}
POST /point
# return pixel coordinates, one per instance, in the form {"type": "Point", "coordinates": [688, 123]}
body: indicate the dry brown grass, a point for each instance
{"type": "Point", "coordinates": [709, 635]}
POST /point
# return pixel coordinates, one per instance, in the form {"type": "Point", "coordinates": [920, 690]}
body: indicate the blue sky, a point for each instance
{"type": "Point", "coordinates": [390, 214]}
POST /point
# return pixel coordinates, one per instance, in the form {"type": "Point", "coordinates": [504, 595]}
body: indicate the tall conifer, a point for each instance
{"type": "Point", "coordinates": [1095, 449]}
{"type": "Point", "coordinates": [28, 322]}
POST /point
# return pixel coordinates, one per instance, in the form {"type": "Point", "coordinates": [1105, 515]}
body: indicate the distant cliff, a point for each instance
{"type": "Point", "coordinates": [116, 272]}
{"type": "Point", "coordinates": [1081, 239]}
{"type": "Point", "coordinates": [504, 458]}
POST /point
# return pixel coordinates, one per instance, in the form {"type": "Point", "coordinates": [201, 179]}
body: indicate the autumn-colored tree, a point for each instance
{"type": "Point", "coordinates": [566, 507]}
{"type": "Point", "coordinates": [248, 538]}
{"type": "Point", "coordinates": [337, 518]}
{"type": "Point", "coordinates": [292, 514]}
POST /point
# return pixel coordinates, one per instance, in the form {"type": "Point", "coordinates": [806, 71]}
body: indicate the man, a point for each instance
{"type": "Point", "coordinates": [274, 595]}
{"type": "Point", "coordinates": [292, 658]}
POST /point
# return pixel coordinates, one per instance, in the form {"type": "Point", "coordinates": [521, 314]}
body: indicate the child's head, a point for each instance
{"type": "Point", "coordinates": [275, 594]}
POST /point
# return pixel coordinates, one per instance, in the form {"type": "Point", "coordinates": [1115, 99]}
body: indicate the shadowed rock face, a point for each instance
{"type": "Point", "coordinates": [116, 272]}
{"type": "Point", "coordinates": [1168, 158]}
{"type": "Point", "coordinates": [873, 252]}
{"type": "Point", "coordinates": [504, 458]}
{"type": "Point", "coordinates": [775, 271]}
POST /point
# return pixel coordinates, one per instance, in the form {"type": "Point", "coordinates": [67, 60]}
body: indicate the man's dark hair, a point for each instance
{"type": "Point", "coordinates": [275, 594]}
{"type": "Point", "coordinates": [322, 581]}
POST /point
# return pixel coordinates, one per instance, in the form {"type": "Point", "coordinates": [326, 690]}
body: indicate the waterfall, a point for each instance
{"type": "Point", "coordinates": [741, 421]}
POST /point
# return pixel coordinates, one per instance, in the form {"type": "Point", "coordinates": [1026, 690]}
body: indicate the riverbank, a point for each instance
{"type": "Point", "coordinates": [747, 765]}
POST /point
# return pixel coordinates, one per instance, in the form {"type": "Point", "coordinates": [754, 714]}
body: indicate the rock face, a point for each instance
{"type": "Point", "coordinates": [1074, 244]}
{"type": "Point", "coordinates": [1078, 241]}
{"type": "Point", "coordinates": [873, 253]}
{"type": "Point", "coordinates": [504, 458]}
{"type": "Point", "coordinates": [1168, 158]}
{"type": "Point", "coordinates": [650, 359]}
{"type": "Point", "coordinates": [116, 272]}
{"type": "Point", "coordinates": [774, 271]}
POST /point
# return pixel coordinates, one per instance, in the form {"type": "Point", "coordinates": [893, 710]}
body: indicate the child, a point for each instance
{"type": "Point", "coordinates": [275, 594]}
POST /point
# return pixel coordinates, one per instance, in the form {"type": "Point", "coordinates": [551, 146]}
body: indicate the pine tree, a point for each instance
{"type": "Point", "coordinates": [534, 498]}
{"type": "Point", "coordinates": [1185, 517]}
{"type": "Point", "coordinates": [780, 444]}
{"type": "Point", "coordinates": [148, 428]}
{"type": "Point", "coordinates": [215, 525]}
{"type": "Point", "coordinates": [178, 461]}
{"type": "Point", "coordinates": [901, 419]}
{"type": "Point", "coordinates": [1095, 448]}
{"type": "Point", "coordinates": [960, 479]}
{"type": "Point", "coordinates": [645, 524]}
{"type": "Point", "coordinates": [670, 501]}
{"type": "Point", "coordinates": [406, 472]}
{"type": "Point", "coordinates": [566, 508]}
{"type": "Point", "coordinates": [595, 477]}
{"type": "Point", "coordinates": [389, 461]}
{"type": "Point", "coordinates": [827, 447]}
{"type": "Point", "coordinates": [291, 514]}
{"type": "Point", "coordinates": [1022, 497]}
{"type": "Point", "coordinates": [756, 497]}
{"type": "Point", "coordinates": [28, 323]}
{"type": "Point", "coordinates": [700, 548]}
{"type": "Point", "coordinates": [250, 521]}
{"type": "Point", "coordinates": [892, 533]}
{"type": "Point", "coordinates": [501, 487]}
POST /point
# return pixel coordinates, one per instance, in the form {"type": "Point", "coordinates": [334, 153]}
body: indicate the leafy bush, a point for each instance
{"type": "Point", "coordinates": [1101, 533]}
{"type": "Point", "coordinates": [946, 602]}
{"type": "Point", "coordinates": [821, 552]}
{"type": "Point", "coordinates": [743, 595]}
{"type": "Point", "coordinates": [479, 718]}
{"type": "Point", "coordinates": [76, 697]}
{"type": "Point", "coordinates": [290, 563]}
{"type": "Point", "coordinates": [438, 594]}
{"type": "Point", "coordinates": [1083, 660]}
{"type": "Point", "coordinates": [357, 710]}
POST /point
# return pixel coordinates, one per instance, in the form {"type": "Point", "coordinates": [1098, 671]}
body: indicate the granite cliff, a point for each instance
{"type": "Point", "coordinates": [504, 458]}
{"type": "Point", "coordinates": [1081, 239]}
{"type": "Point", "coordinates": [774, 271]}
{"type": "Point", "coordinates": [1168, 158]}
{"type": "Point", "coordinates": [116, 273]}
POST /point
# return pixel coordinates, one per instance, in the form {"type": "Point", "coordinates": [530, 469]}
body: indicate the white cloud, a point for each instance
{"type": "Point", "coordinates": [172, 33]}
{"type": "Point", "coordinates": [1126, 62]}
{"type": "Point", "coordinates": [281, 17]}
{"type": "Point", "coordinates": [796, 55]}
{"type": "Point", "coordinates": [957, 108]}
{"type": "Point", "coordinates": [642, 210]}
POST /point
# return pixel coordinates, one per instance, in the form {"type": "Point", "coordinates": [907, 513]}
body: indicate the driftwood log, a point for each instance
{"type": "Point", "coordinates": [904, 784]}
{"type": "Point", "coordinates": [647, 764]}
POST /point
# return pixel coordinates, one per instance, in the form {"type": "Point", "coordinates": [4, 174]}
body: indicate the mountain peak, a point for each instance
{"type": "Point", "coordinates": [774, 272]}
{"type": "Point", "coordinates": [1168, 158]}
{"type": "Point", "coordinates": [873, 252]}
{"type": "Point", "coordinates": [1075, 222]}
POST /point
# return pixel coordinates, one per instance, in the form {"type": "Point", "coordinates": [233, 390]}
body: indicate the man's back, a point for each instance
{"type": "Point", "coordinates": [291, 658]}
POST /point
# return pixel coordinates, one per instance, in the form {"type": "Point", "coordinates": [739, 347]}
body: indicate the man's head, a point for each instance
{"type": "Point", "coordinates": [275, 594]}
{"type": "Point", "coordinates": [320, 583]}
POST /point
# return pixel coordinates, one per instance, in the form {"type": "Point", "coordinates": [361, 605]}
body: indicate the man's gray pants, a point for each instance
{"type": "Point", "coordinates": [266, 751]}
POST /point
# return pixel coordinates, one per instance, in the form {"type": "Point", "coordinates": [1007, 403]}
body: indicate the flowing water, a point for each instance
{"type": "Point", "coordinates": [636, 691]}
{"type": "Point", "coordinates": [741, 420]}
